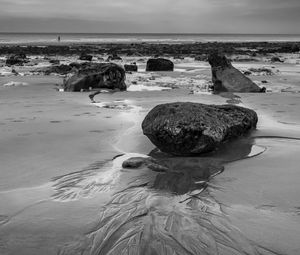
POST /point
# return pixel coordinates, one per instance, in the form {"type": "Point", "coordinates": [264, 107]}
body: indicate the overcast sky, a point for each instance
{"type": "Point", "coordinates": [138, 16]}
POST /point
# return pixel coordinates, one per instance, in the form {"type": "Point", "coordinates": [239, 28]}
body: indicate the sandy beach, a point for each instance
{"type": "Point", "coordinates": [63, 189]}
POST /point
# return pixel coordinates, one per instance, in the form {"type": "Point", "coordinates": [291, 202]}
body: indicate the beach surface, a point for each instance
{"type": "Point", "coordinates": [63, 189]}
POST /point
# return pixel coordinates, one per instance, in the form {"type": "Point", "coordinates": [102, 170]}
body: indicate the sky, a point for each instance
{"type": "Point", "coordinates": [151, 16]}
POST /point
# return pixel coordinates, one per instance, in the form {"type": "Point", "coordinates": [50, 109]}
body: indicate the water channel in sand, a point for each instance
{"type": "Point", "coordinates": [191, 208]}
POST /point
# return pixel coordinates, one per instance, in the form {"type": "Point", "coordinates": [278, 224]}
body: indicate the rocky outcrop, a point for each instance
{"type": "Point", "coordinates": [193, 128]}
{"type": "Point", "coordinates": [226, 78]}
{"type": "Point", "coordinates": [131, 67]}
{"type": "Point", "coordinates": [108, 75]}
{"type": "Point", "coordinates": [159, 64]}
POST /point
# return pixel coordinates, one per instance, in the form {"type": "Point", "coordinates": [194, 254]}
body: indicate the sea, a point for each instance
{"type": "Point", "coordinates": [44, 38]}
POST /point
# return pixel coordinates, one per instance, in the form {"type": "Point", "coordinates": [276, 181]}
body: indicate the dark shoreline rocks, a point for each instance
{"type": "Point", "coordinates": [227, 78]}
{"type": "Point", "coordinates": [151, 49]}
{"type": "Point", "coordinates": [185, 128]}
{"type": "Point", "coordinates": [16, 59]}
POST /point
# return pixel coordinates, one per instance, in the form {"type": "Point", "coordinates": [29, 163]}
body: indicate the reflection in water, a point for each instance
{"type": "Point", "coordinates": [150, 212]}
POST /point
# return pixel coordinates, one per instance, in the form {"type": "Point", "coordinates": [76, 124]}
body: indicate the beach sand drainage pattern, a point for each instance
{"type": "Point", "coordinates": [169, 211]}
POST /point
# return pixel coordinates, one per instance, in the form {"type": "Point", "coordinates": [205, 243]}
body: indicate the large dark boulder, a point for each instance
{"type": "Point", "coordinates": [193, 128]}
{"type": "Point", "coordinates": [226, 78]}
{"type": "Point", "coordinates": [159, 64]}
{"type": "Point", "coordinates": [108, 75]}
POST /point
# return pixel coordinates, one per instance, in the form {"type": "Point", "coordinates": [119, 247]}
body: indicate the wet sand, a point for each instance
{"type": "Point", "coordinates": [64, 190]}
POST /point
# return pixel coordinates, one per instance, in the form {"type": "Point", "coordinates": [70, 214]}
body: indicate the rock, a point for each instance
{"type": "Point", "coordinates": [86, 57]}
{"type": "Point", "coordinates": [134, 162]}
{"type": "Point", "coordinates": [149, 162]}
{"type": "Point", "coordinates": [247, 73]}
{"type": "Point", "coordinates": [227, 78]}
{"type": "Point", "coordinates": [54, 61]}
{"type": "Point", "coordinates": [276, 59]}
{"type": "Point", "coordinates": [202, 57]}
{"type": "Point", "coordinates": [194, 128]}
{"type": "Point", "coordinates": [113, 57]}
{"type": "Point", "coordinates": [17, 59]}
{"type": "Point", "coordinates": [76, 65]}
{"type": "Point", "coordinates": [261, 71]}
{"type": "Point", "coordinates": [14, 72]}
{"type": "Point", "coordinates": [159, 64]}
{"type": "Point", "coordinates": [108, 75]}
{"type": "Point", "coordinates": [131, 68]}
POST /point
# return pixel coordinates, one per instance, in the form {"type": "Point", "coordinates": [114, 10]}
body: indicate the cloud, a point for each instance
{"type": "Point", "coordinates": [198, 16]}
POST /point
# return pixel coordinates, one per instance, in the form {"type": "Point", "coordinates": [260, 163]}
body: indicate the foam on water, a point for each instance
{"type": "Point", "coordinates": [5, 71]}
{"type": "Point", "coordinates": [146, 88]}
{"type": "Point", "coordinates": [15, 84]}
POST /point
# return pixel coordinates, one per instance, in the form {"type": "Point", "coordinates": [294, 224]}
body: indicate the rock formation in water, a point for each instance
{"type": "Point", "coordinates": [107, 76]}
{"type": "Point", "coordinates": [193, 128]}
{"type": "Point", "coordinates": [159, 64]}
{"type": "Point", "coordinates": [226, 78]}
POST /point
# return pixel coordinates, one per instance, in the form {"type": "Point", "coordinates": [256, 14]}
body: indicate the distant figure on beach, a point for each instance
{"type": "Point", "coordinates": [58, 38]}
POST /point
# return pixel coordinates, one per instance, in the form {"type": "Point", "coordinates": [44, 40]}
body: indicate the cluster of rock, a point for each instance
{"type": "Point", "coordinates": [259, 71]}
{"type": "Point", "coordinates": [185, 128]}
{"type": "Point", "coordinates": [107, 75]}
{"type": "Point", "coordinates": [16, 59]}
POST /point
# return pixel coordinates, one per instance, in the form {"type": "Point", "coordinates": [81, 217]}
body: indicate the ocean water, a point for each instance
{"type": "Point", "coordinates": [25, 38]}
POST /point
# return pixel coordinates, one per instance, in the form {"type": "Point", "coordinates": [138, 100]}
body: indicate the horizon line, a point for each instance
{"type": "Point", "coordinates": [148, 33]}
